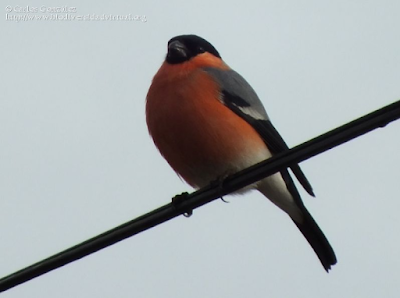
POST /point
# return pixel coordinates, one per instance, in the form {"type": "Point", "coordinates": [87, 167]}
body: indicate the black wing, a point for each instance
{"type": "Point", "coordinates": [269, 134]}
{"type": "Point", "coordinates": [240, 97]}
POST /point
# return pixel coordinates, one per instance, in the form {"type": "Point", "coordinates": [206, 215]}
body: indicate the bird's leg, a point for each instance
{"type": "Point", "coordinates": [178, 199]}
{"type": "Point", "coordinates": [219, 182]}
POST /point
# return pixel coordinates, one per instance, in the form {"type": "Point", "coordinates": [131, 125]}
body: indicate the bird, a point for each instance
{"type": "Point", "coordinates": [208, 122]}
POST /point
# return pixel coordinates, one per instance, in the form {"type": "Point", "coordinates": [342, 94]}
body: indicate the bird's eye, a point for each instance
{"type": "Point", "coordinates": [201, 50]}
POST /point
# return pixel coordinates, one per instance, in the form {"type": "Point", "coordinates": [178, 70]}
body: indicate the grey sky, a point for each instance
{"type": "Point", "coordinates": [76, 158]}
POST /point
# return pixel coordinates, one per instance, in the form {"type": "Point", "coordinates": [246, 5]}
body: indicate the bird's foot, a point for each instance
{"type": "Point", "coordinates": [219, 182]}
{"type": "Point", "coordinates": [178, 199]}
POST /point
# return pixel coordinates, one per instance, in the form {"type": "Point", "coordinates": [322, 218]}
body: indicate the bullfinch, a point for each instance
{"type": "Point", "coordinates": [208, 122]}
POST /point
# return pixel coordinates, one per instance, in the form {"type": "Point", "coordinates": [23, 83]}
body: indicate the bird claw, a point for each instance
{"type": "Point", "coordinates": [223, 200]}
{"type": "Point", "coordinates": [220, 183]}
{"type": "Point", "coordinates": [178, 199]}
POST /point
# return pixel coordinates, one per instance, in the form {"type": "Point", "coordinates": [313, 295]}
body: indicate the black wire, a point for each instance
{"type": "Point", "coordinates": [320, 144]}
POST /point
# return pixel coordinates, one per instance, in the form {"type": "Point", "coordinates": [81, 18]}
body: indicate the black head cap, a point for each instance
{"type": "Point", "coordinates": [184, 47]}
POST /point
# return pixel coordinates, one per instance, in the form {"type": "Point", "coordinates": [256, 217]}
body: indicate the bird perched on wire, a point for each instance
{"type": "Point", "coordinates": [208, 122]}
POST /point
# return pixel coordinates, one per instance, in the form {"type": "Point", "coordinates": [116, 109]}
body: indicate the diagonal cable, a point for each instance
{"type": "Point", "coordinates": [322, 143]}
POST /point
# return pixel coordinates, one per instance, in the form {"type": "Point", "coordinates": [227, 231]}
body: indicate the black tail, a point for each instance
{"type": "Point", "coordinates": [317, 240]}
{"type": "Point", "coordinates": [310, 229]}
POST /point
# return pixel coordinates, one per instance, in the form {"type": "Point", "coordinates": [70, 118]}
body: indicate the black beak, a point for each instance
{"type": "Point", "coordinates": [177, 52]}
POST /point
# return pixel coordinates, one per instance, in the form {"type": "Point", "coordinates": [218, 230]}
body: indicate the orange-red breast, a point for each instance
{"type": "Point", "coordinates": [208, 122]}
